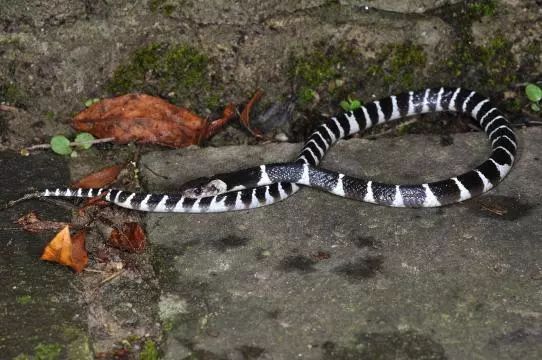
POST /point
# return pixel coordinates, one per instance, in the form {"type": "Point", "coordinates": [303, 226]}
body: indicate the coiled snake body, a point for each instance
{"type": "Point", "coordinates": [267, 184]}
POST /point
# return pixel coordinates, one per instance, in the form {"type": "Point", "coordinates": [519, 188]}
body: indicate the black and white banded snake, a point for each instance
{"type": "Point", "coordinates": [267, 184]}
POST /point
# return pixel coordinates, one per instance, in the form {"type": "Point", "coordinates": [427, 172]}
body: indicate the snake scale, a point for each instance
{"type": "Point", "coordinates": [267, 184]}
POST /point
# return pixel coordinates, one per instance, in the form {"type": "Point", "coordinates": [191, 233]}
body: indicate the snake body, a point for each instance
{"type": "Point", "coordinates": [267, 184]}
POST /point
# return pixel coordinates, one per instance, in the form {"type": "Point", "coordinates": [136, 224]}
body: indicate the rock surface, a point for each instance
{"type": "Point", "coordinates": [41, 310]}
{"type": "Point", "coordinates": [317, 276]}
{"type": "Point", "coordinates": [314, 276]}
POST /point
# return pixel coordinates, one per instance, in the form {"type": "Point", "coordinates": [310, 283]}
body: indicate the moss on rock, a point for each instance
{"type": "Point", "coordinates": [166, 7]}
{"type": "Point", "coordinates": [489, 68]}
{"type": "Point", "coordinates": [476, 10]}
{"type": "Point", "coordinates": [400, 65]}
{"type": "Point", "coordinates": [339, 71]}
{"type": "Point", "coordinates": [12, 94]}
{"type": "Point", "coordinates": [47, 351]}
{"type": "Point", "coordinates": [179, 72]}
{"type": "Point", "coordinates": [150, 351]}
{"type": "Point", "coordinates": [311, 70]}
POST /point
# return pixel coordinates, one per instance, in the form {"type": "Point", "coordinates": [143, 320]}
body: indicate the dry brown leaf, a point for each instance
{"type": "Point", "coordinates": [32, 223]}
{"type": "Point", "coordinates": [245, 115]}
{"type": "Point", "coordinates": [97, 201]}
{"type": "Point", "coordinates": [100, 178]}
{"type": "Point", "coordinates": [65, 250]}
{"type": "Point", "coordinates": [211, 128]}
{"type": "Point", "coordinates": [129, 237]}
{"type": "Point", "coordinates": [147, 119]}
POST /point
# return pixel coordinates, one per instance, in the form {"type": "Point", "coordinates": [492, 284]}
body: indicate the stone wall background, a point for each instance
{"type": "Point", "coordinates": [54, 55]}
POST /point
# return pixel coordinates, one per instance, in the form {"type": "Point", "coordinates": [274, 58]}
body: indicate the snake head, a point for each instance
{"type": "Point", "coordinates": [203, 187]}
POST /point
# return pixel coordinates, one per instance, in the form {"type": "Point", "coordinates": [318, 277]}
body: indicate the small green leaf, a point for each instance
{"type": "Point", "coordinates": [345, 105]}
{"type": "Point", "coordinates": [61, 145]}
{"type": "Point", "coordinates": [355, 104]}
{"type": "Point", "coordinates": [535, 107]}
{"type": "Point", "coordinates": [84, 140]}
{"type": "Point", "coordinates": [91, 102]}
{"type": "Point", "coordinates": [533, 92]}
{"type": "Point", "coordinates": [349, 105]}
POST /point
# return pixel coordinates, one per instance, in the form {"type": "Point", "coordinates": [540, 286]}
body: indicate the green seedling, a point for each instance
{"type": "Point", "coordinates": [350, 105]}
{"type": "Point", "coordinates": [534, 94]}
{"type": "Point", "coordinates": [63, 146]}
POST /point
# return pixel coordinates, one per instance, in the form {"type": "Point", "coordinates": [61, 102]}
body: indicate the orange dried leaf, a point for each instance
{"type": "Point", "coordinates": [79, 252]}
{"type": "Point", "coordinates": [213, 127]}
{"type": "Point", "coordinates": [129, 237]}
{"type": "Point", "coordinates": [100, 178]}
{"type": "Point", "coordinates": [144, 119]}
{"type": "Point", "coordinates": [245, 115]}
{"type": "Point", "coordinates": [32, 223]}
{"type": "Point", "coordinates": [67, 251]}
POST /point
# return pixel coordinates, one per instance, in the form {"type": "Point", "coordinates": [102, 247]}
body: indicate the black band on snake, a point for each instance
{"type": "Point", "coordinates": [267, 184]}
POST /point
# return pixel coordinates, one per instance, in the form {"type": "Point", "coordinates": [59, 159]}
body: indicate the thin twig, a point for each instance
{"type": "Point", "coordinates": [94, 270]}
{"type": "Point", "coordinates": [73, 143]}
{"type": "Point", "coordinates": [526, 83]}
{"type": "Point", "coordinates": [473, 127]}
{"type": "Point", "coordinates": [109, 278]}
{"type": "Point", "coordinates": [529, 122]}
{"type": "Point", "coordinates": [4, 107]}
{"type": "Point", "coordinates": [33, 195]}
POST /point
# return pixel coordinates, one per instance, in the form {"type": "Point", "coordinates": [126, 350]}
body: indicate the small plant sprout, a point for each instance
{"type": "Point", "coordinates": [84, 140]}
{"type": "Point", "coordinates": [350, 105]}
{"type": "Point", "coordinates": [534, 94]}
{"type": "Point", "coordinates": [91, 102]}
{"type": "Point", "coordinates": [63, 146]}
{"type": "Point", "coordinates": [60, 145]}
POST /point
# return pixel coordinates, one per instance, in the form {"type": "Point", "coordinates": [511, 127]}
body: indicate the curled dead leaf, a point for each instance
{"type": "Point", "coordinates": [147, 119]}
{"type": "Point", "coordinates": [32, 223]}
{"type": "Point", "coordinates": [245, 114]}
{"type": "Point", "coordinates": [67, 250]}
{"type": "Point", "coordinates": [100, 178]}
{"type": "Point", "coordinates": [129, 237]}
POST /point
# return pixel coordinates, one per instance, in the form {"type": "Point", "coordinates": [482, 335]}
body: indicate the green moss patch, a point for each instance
{"type": "Point", "coordinates": [178, 72]}
{"type": "Point", "coordinates": [24, 299]}
{"type": "Point", "coordinates": [488, 68]}
{"type": "Point", "coordinates": [12, 94]}
{"type": "Point", "coordinates": [311, 71]}
{"type": "Point", "coordinates": [150, 351]}
{"type": "Point", "coordinates": [339, 72]}
{"type": "Point", "coordinates": [400, 65]}
{"type": "Point", "coordinates": [47, 351]}
{"type": "Point", "coordinates": [166, 7]}
{"type": "Point", "coordinates": [476, 10]}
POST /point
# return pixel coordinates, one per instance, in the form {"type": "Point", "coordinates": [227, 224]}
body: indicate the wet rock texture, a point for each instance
{"type": "Point", "coordinates": [325, 277]}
